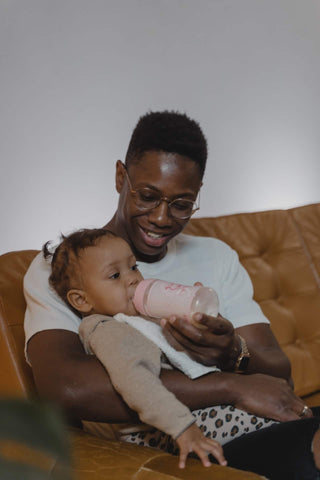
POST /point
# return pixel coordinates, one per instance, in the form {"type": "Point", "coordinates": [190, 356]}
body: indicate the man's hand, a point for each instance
{"type": "Point", "coordinates": [193, 440]}
{"type": "Point", "coordinates": [216, 344]}
{"type": "Point", "coordinates": [268, 397]}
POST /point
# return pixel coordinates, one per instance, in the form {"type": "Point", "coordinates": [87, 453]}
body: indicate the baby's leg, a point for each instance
{"type": "Point", "coordinates": [152, 438]}
{"type": "Point", "coordinates": [225, 422]}
{"type": "Point", "coordinates": [289, 450]}
{"type": "Point", "coordinates": [222, 423]}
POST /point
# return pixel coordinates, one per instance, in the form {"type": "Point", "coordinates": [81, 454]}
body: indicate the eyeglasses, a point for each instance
{"type": "Point", "coordinates": [148, 199]}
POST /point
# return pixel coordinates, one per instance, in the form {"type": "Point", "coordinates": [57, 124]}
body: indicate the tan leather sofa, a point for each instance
{"type": "Point", "coordinates": [280, 250]}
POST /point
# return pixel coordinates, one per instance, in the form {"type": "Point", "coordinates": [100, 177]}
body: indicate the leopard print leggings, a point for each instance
{"type": "Point", "coordinates": [223, 423]}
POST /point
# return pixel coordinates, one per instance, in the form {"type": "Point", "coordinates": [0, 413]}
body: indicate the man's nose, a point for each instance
{"type": "Point", "coordinates": [160, 215]}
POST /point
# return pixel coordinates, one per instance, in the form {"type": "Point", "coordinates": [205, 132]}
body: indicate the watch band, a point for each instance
{"type": "Point", "coordinates": [243, 358]}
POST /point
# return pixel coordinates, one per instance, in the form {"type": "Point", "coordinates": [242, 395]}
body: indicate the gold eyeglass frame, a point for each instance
{"type": "Point", "coordinates": [164, 199]}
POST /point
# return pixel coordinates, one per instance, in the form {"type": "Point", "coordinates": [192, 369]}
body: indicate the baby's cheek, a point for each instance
{"type": "Point", "coordinates": [132, 309]}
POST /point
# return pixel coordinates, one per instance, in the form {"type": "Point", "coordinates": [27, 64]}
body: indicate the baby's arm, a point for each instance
{"type": "Point", "coordinates": [133, 363]}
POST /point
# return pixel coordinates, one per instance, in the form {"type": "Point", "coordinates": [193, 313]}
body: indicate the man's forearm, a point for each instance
{"type": "Point", "coordinates": [258, 394]}
{"type": "Point", "coordinates": [266, 355]}
{"type": "Point", "coordinates": [77, 382]}
{"type": "Point", "coordinates": [212, 389]}
{"type": "Point", "coordinates": [94, 398]}
{"type": "Point", "coordinates": [80, 384]}
{"type": "Point", "coordinates": [270, 362]}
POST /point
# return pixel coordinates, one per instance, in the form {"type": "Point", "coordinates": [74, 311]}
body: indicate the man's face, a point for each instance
{"type": "Point", "coordinates": [110, 276]}
{"type": "Point", "coordinates": [170, 175]}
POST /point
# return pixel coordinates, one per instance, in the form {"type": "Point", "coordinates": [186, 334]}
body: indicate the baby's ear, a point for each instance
{"type": "Point", "coordinates": [78, 300]}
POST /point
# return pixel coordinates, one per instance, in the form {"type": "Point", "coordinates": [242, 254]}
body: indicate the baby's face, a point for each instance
{"type": "Point", "coordinates": [110, 276]}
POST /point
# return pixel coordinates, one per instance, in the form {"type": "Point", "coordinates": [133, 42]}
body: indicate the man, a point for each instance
{"type": "Point", "coordinates": [158, 188]}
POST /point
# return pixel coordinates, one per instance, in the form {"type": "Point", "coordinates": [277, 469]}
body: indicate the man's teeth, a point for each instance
{"type": "Point", "coordinates": [154, 235]}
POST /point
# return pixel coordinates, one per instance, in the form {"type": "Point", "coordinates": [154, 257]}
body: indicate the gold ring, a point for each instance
{"type": "Point", "coordinates": [304, 411]}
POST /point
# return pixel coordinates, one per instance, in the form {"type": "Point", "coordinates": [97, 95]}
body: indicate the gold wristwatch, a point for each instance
{"type": "Point", "coordinates": [243, 358]}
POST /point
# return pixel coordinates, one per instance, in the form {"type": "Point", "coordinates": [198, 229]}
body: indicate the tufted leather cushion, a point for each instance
{"type": "Point", "coordinates": [307, 220]}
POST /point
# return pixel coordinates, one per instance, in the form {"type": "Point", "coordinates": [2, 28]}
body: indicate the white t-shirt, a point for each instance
{"type": "Point", "coordinates": [189, 259]}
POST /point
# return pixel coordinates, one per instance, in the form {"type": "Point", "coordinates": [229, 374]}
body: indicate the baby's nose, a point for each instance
{"type": "Point", "coordinates": [133, 280]}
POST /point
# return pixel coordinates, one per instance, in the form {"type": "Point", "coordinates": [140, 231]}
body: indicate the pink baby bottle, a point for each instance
{"type": "Point", "coordinates": [160, 299]}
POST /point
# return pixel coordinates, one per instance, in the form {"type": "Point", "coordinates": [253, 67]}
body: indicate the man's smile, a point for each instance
{"type": "Point", "coordinates": [153, 239]}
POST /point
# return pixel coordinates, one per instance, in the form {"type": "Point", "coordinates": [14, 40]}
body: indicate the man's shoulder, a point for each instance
{"type": "Point", "coordinates": [36, 285]}
{"type": "Point", "coordinates": [45, 309]}
{"type": "Point", "coordinates": [38, 268]}
{"type": "Point", "coordinates": [37, 275]}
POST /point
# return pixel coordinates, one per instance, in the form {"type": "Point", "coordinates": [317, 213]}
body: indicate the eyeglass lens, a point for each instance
{"type": "Point", "coordinates": [147, 199]}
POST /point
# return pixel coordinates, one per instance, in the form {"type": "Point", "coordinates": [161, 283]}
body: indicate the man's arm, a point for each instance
{"type": "Point", "coordinates": [217, 343]}
{"type": "Point", "coordinates": [258, 394]}
{"type": "Point", "coordinates": [266, 354]}
{"type": "Point", "coordinates": [78, 382]}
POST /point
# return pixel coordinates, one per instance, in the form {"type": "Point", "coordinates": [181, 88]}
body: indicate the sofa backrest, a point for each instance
{"type": "Point", "coordinates": [281, 252]}
{"type": "Point", "coordinates": [280, 249]}
{"type": "Point", "coordinates": [16, 376]}
{"type": "Point", "coordinates": [307, 219]}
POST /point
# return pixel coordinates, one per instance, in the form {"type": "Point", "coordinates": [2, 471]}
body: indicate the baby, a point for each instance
{"type": "Point", "coordinates": [96, 274]}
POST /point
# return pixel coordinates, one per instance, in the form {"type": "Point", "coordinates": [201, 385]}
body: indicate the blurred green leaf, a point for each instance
{"type": "Point", "coordinates": [18, 471]}
{"type": "Point", "coordinates": [38, 426]}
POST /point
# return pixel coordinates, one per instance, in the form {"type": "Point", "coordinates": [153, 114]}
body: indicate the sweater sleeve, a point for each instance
{"type": "Point", "coordinates": [133, 363]}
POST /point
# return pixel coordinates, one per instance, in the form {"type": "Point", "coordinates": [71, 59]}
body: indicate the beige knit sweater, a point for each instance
{"type": "Point", "coordinates": [134, 363]}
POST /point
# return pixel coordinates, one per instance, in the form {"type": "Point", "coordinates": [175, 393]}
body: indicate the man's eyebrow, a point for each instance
{"type": "Point", "coordinates": [146, 185]}
{"type": "Point", "coordinates": [155, 189]}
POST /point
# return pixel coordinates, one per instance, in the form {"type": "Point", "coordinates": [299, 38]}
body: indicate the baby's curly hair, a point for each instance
{"type": "Point", "coordinates": [171, 132]}
{"type": "Point", "coordinates": [65, 271]}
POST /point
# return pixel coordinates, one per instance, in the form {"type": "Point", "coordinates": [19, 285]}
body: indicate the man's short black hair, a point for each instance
{"type": "Point", "coordinates": [168, 131]}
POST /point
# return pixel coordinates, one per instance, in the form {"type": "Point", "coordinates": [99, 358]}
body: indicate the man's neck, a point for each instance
{"type": "Point", "coordinates": [116, 227]}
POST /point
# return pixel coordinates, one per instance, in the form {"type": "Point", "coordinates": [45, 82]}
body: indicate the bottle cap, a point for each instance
{"type": "Point", "coordinates": [139, 295]}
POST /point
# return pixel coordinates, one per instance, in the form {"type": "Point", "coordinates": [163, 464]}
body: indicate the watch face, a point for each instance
{"type": "Point", "coordinates": [244, 362]}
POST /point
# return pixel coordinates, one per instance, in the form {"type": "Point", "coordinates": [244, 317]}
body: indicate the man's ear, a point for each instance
{"type": "Point", "coordinates": [120, 175]}
{"type": "Point", "coordinates": [78, 300]}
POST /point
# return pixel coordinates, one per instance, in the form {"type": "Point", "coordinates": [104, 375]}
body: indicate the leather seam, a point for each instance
{"type": "Point", "coordinates": [306, 250]}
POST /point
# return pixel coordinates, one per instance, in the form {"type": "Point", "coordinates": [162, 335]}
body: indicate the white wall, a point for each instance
{"type": "Point", "coordinates": [77, 74]}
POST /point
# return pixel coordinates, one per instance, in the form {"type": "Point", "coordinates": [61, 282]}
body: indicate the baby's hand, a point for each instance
{"type": "Point", "coordinates": [193, 440]}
